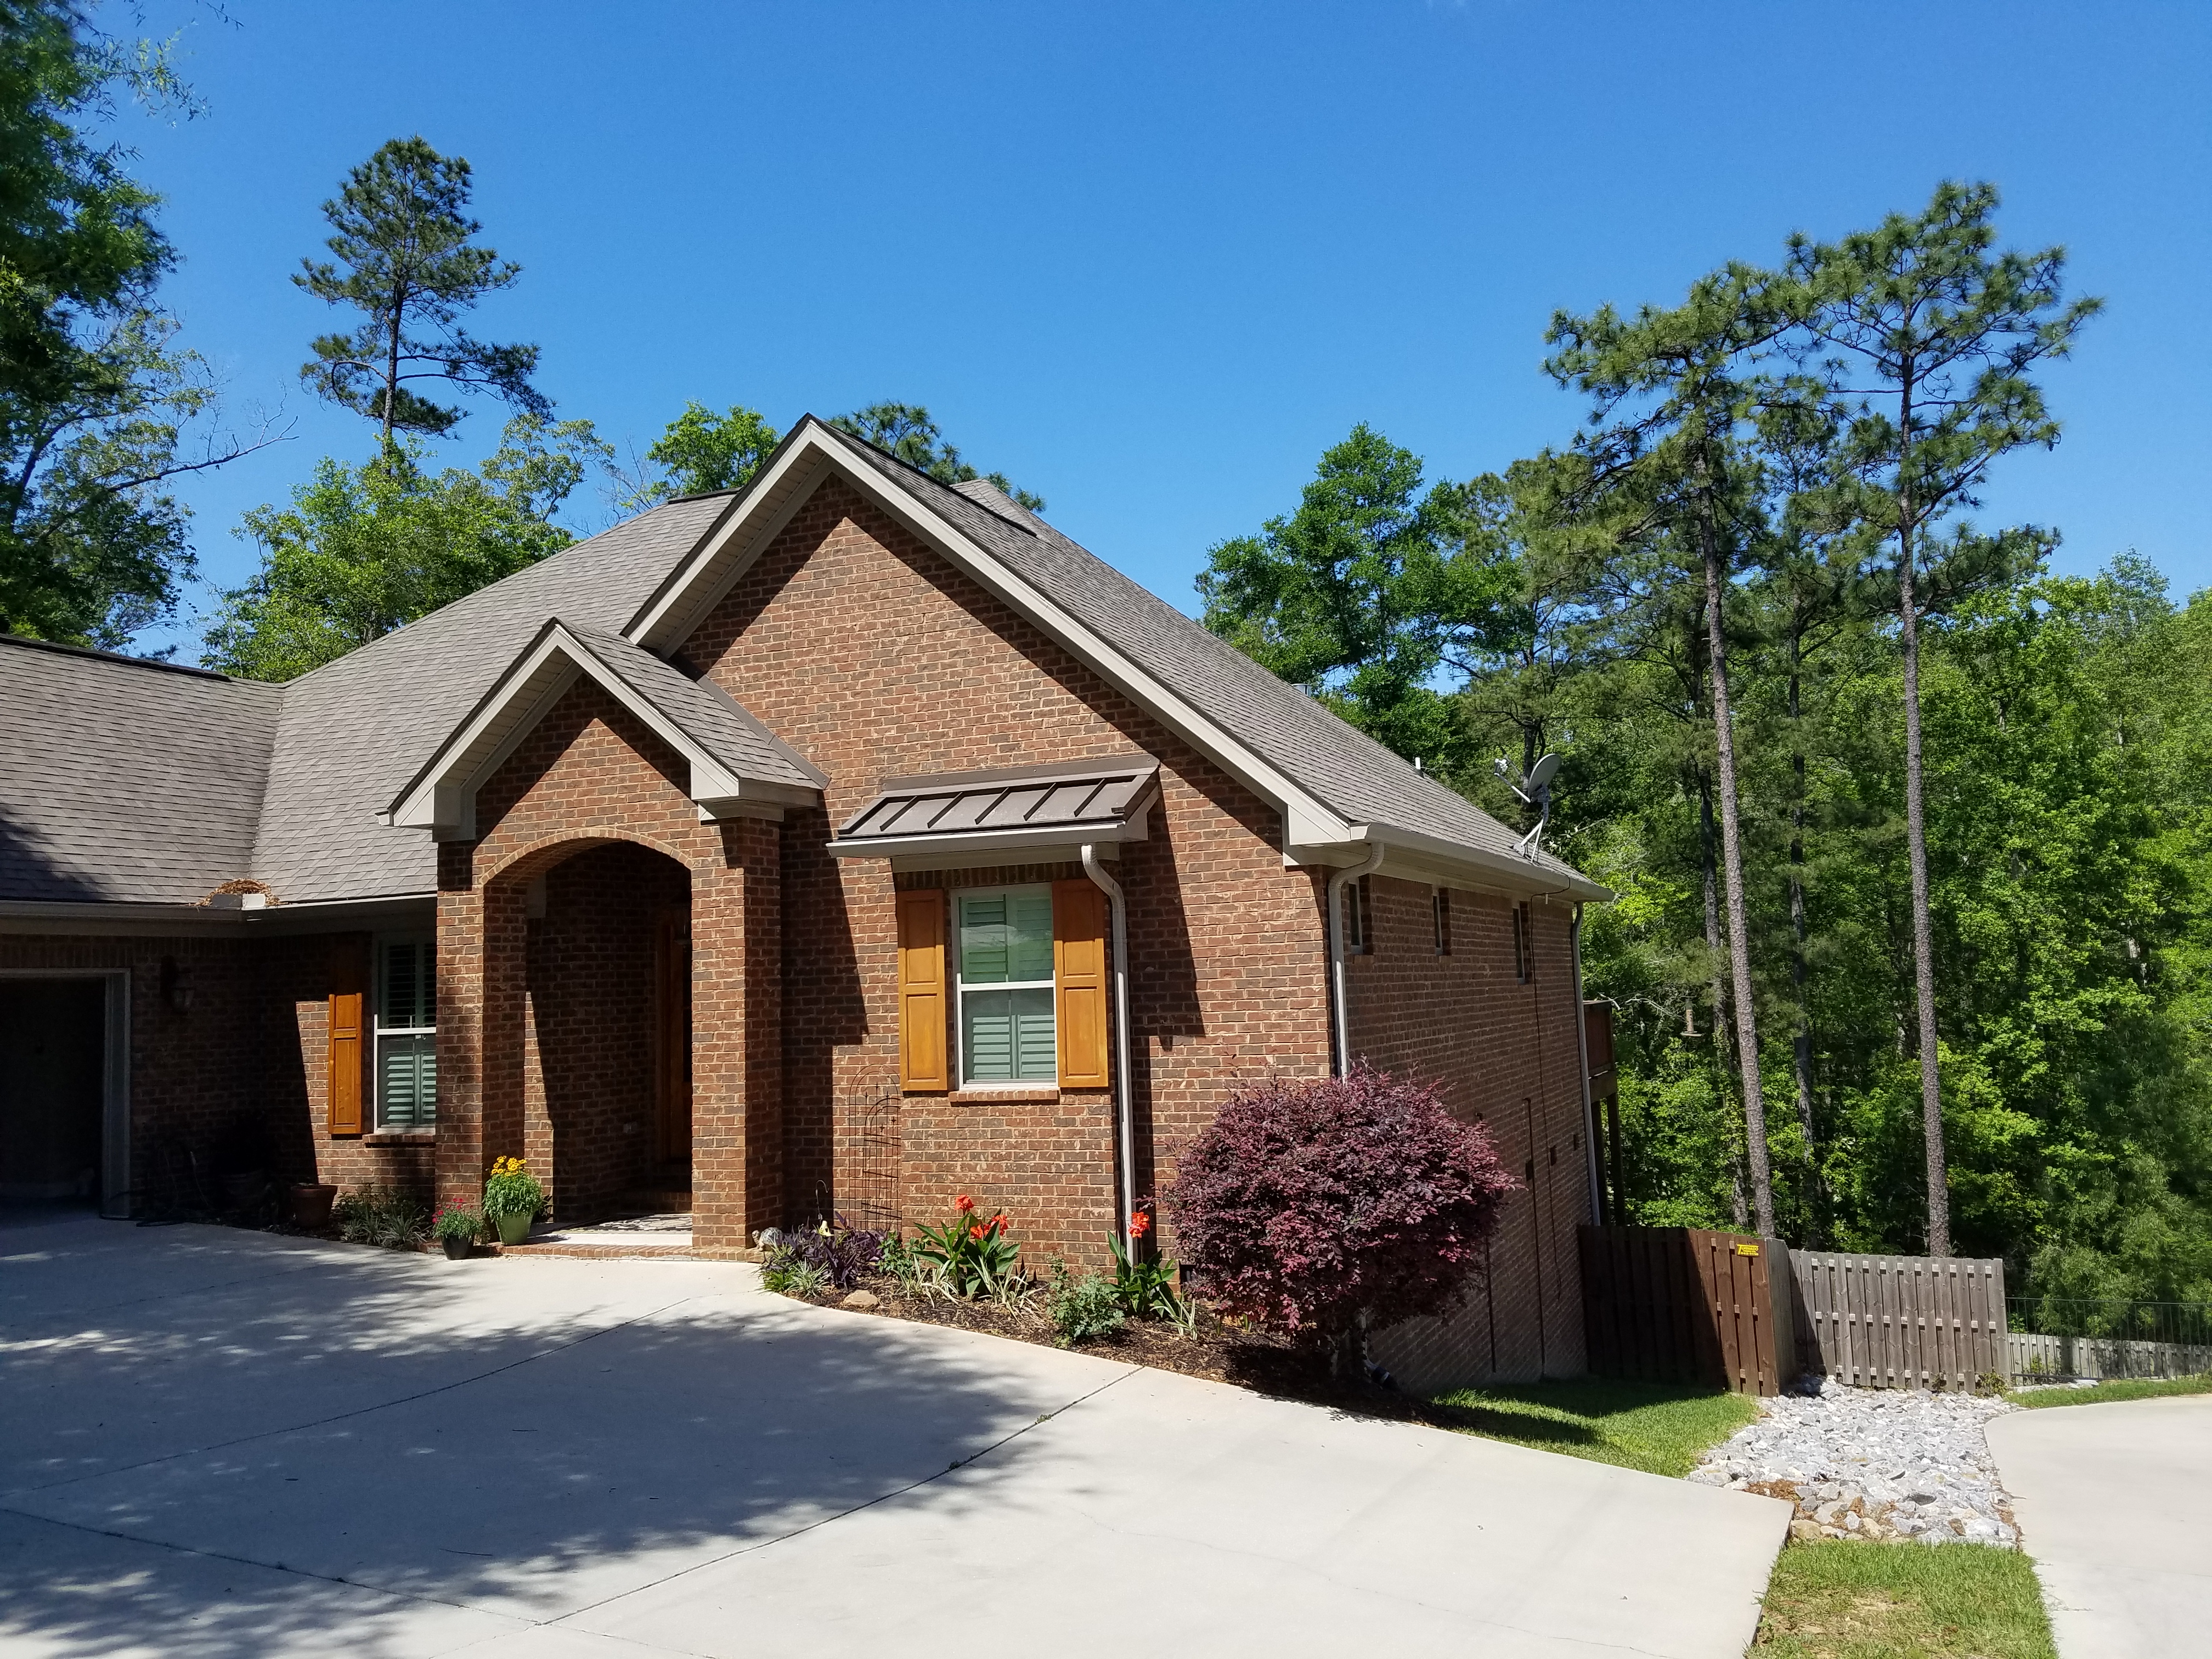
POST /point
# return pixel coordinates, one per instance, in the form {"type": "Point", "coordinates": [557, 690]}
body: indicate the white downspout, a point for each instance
{"type": "Point", "coordinates": [1339, 1009]}
{"type": "Point", "coordinates": [1590, 1107]}
{"type": "Point", "coordinates": [1124, 1114]}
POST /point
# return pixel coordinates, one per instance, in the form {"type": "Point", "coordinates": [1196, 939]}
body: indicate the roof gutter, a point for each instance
{"type": "Point", "coordinates": [1338, 1005]}
{"type": "Point", "coordinates": [1124, 1113]}
{"type": "Point", "coordinates": [1507, 871]}
{"type": "Point", "coordinates": [1597, 1198]}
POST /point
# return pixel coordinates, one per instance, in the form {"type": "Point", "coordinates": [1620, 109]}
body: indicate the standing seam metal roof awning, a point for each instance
{"type": "Point", "coordinates": [1099, 800]}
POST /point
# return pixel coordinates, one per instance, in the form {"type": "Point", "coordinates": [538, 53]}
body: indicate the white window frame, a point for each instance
{"type": "Point", "coordinates": [960, 988]}
{"type": "Point", "coordinates": [378, 1030]}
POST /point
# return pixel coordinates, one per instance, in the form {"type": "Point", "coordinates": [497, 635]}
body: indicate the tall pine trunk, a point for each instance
{"type": "Point", "coordinates": [1747, 1015]}
{"type": "Point", "coordinates": [1800, 1045]}
{"type": "Point", "coordinates": [1924, 953]}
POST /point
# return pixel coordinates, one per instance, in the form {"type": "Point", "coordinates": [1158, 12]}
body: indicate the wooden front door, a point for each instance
{"type": "Point", "coordinates": [672, 1034]}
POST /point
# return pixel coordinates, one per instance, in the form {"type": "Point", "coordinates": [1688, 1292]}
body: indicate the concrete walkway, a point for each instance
{"type": "Point", "coordinates": [2115, 1505]}
{"type": "Point", "coordinates": [218, 1442]}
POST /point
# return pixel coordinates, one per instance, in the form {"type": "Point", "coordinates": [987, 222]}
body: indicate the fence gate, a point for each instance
{"type": "Point", "coordinates": [1680, 1304]}
{"type": "Point", "coordinates": [1900, 1321]}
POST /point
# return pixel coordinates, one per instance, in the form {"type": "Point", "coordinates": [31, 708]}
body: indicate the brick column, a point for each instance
{"type": "Point", "coordinates": [737, 1039]}
{"type": "Point", "coordinates": [460, 1028]}
{"type": "Point", "coordinates": [482, 1001]}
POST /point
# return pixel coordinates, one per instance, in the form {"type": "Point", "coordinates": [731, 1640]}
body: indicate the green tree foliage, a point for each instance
{"type": "Point", "coordinates": [1932, 337]}
{"type": "Point", "coordinates": [701, 452]}
{"type": "Point", "coordinates": [401, 233]}
{"type": "Point", "coordinates": [2066, 741]}
{"type": "Point", "coordinates": [1372, 594]}
{"type": "Point", "coordinates": [363, 550]}
{"type": "Point", "coordinates": [94, 394]}
{"type": "Point", "coordinates": [1671, 483]}
{"type": "Point", "coordinates": [907, 431]}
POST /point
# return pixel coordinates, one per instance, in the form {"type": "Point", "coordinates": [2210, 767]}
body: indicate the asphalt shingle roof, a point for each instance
{"type": "Point", "coordinates": [355, 731]}
{"type": "Point", "coordinates": [135, 782]}
{"type": "Point", "coordinates": [710, 716]}
{"type": "Point", "coordinates": [126, 781]}
{"type": "Point", "coordinates": [1351, 772]}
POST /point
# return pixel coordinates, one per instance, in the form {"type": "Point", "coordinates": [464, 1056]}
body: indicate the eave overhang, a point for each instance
{"type": "Point", "coordinates": [441, 798]}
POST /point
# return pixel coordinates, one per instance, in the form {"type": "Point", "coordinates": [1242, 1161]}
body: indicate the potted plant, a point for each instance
{"type": "Point", "coordinates": [456, 1226]}
{"type": "Point", "coordinates": [512, 1200]}
{"type": "Point", "coordinates": [311, 1205]}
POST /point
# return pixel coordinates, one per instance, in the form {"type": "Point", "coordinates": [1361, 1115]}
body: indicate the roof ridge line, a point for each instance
{"type": "Point", "coordinates": [62, 648]}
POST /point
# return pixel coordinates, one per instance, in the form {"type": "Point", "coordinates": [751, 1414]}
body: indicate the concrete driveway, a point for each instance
{"type": "Point", "coordinates": [2113, 1504]}
{"type": "Point", "coordinates": [214, 1442]}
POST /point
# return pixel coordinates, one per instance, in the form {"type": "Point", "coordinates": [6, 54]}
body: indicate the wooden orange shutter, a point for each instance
{"type": "Point", "coordinates": [347, 1012]}
{"type": "Point", "coordinates": [1079, 967]}
{"type": "Point", "coordinates": [922, 990]}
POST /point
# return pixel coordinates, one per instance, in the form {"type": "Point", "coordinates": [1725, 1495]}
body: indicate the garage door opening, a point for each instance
{"type": "Point", "coordinates": [53, 1090]}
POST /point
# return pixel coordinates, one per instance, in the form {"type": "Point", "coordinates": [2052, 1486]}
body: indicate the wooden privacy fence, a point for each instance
{"type": "Point", "coordinates": [1900, 1322]}
{"type": "Point", "coordinates": [1679, 1304]}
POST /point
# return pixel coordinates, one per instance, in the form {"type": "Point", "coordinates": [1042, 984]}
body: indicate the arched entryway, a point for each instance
{"type": "Point", "coordinates": [606, 1028]}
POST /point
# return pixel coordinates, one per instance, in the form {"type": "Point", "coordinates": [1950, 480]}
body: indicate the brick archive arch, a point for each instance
{"type": "Point", "coordinates": [556, 929]}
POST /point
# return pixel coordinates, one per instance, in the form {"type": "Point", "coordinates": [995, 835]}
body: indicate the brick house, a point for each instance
{"type": "Point", "coordinates": [838, 845]}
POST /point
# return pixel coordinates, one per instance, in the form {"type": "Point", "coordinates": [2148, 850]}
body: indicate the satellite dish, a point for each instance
{"type": "Point", "coordinates": [1536, 789]}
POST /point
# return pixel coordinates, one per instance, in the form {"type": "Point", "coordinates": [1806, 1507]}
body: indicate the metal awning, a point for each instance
{"type": "Point", "coordinates": [1021, 808]}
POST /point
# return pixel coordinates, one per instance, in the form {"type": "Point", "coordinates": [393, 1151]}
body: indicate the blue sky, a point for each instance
{"type": "Point", "coordinates": [1149, 260]}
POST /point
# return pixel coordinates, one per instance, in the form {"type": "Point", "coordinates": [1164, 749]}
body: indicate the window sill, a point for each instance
{"type": "Point", "coordinates": [1044, 1093]}
{"type": "Point", "coordinates": [397, 1137]}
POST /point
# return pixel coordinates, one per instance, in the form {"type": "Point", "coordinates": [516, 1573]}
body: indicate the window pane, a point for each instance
{"type": "Point", "coordinates": [1007, 936]}
{"type": "Point", "coordinates": [1007, 1036]}
{"type": "Point", "coordinates": [407, 1082]}
{"type": "Point", "coordinates": [399, 987]}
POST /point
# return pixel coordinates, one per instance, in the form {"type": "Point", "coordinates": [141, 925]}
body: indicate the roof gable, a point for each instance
{"type": "Point", "coordinates": [738, 768]}
{"type": "Point", "coordinates": [1334, 786]}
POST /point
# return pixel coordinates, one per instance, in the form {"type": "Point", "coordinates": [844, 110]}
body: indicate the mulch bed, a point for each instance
{"type": "Point", "coordinates": [1218, 1352]}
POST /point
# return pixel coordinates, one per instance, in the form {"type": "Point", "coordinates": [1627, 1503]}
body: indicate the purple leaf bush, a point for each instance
{"type": "Point", "coordinates": [1324, 1208]}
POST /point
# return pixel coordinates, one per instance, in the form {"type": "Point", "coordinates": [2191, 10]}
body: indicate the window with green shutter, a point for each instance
{"type": "Point", "coordinates": [406, 1034]}
{"type": "Point", "coordinates": [1005, 986]}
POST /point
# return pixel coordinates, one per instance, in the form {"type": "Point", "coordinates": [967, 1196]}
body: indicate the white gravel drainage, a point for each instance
{"type": "Point", "coordinates": [1872, 1464]}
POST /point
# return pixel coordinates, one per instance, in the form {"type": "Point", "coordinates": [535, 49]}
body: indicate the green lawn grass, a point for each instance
{"type": "Point", "coordinates": [1847, 1599]}
{"type": "Point", "coordinates": [2141, 1387]}
{"type": "Point", "coordinates": [1637, 1426]}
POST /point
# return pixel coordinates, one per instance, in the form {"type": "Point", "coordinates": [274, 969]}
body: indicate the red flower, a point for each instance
{"type": "Point", "coordinates": [963, 1204]}
{"type": "Point", "coordinates": [976, 1232]}
{"type": "Point", "coordinates": [1140, 1224]}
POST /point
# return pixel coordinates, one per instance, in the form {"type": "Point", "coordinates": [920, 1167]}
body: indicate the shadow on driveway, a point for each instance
{"type": "Point", "coordinates": [488, 1434]}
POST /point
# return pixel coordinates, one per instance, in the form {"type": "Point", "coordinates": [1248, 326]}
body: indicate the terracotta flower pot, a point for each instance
{"type": "Point", "coordinates": [311, 1206]}
{"type": "Point", "coordinates": [457, 1249]}
{"type": "Point", "coordinates": [514, 1227]}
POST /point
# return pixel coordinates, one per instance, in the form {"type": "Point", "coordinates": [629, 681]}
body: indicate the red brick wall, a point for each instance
{"type": "Point", "coordinates": [297, 974]}
{"type": "Point", "coordinates": [590, 776]}
{"type": "Point", "coordinates": [875, 656]}
{"type": "Point", "coordinates": [251, 1045]}
{"type": "Point", "coordinates": [1507, 1053]}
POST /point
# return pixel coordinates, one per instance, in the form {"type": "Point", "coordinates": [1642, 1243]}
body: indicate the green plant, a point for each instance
{"type": "Point", "coordinates": [1146, 1289]}
{"type": "Point", "coordinates": [511, 1189]}
{"type": "Point", "coordinates": [462, 1221]}
{"type": "Point", "coordinates": [1081, 1309]}
{"type": "Point", "coordinates": [792, 1274]}
{"type": "Point", "coordinates": [397, 1221]}
{"type": "Point", "coordinates": [899, 1263]}
{"type": "Point", "coordinates": [971, 1258]}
